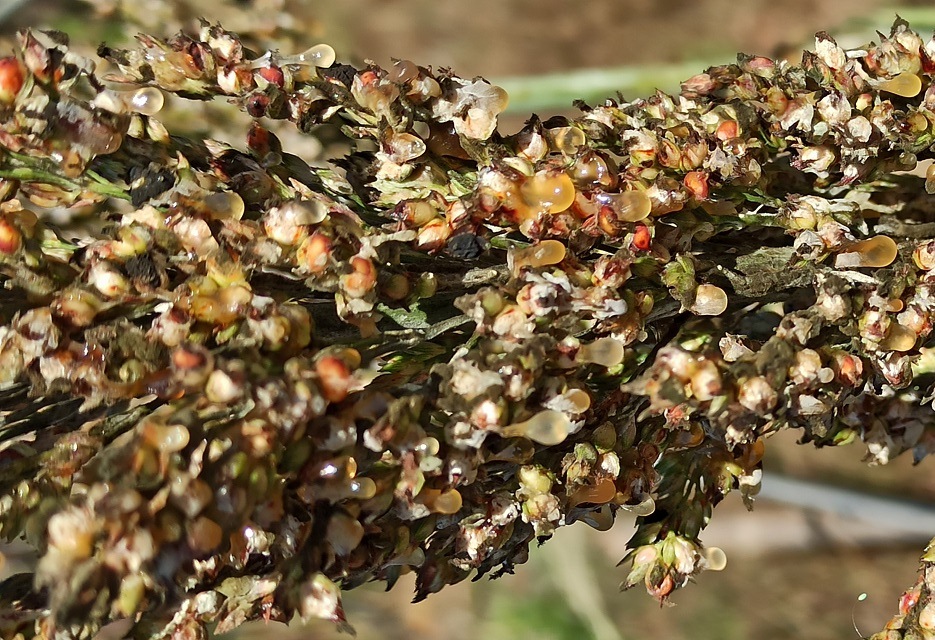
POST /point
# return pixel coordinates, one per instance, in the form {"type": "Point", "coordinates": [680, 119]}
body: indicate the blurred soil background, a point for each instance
{"type": "Point", "coordinates": [794, 572]}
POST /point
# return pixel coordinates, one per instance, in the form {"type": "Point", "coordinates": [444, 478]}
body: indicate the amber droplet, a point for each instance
{"type": "Point", "coordinates": [691, 437]}
{"type": "Point", "coordinates": [403, 71]}
{"type": "Point", "coordinates": [607, 352]}
{"type": "Point", "coordinates": [147, 101]}
{"type": "Point", "coordinates": [930, 179]}
{"type": "Point", "coordinates": [907, 85]}
{"type": "Point", "coordinates": [899, 338]}
{"type": "Point", "coordinates": [321, 55]}
{"type": "Point", "coordinates": [344, 533]}
{"type": "Point", "coordinates": [629, 206]}
{"type": "Point", "coordinates": [362, 488]}
{"type": "Point", "coordinates": [447, 503]}
{"type": "Point", "coordinates": [225, 205]}
{"type": "Point", "coordinates": [710, 300]}
{"type": "Point", "coordinates": [579, 399]}
{"type": "Point", "coordinates": [546, 427]}
{"type": "Point", "coordinates": [204, 534]}
{"type": "Point", "coordinates": [644, 508]}
{"type": "Point", "coordinates": [592, 170]}
{"type": "Point", "coordinates": [548, 192]}
{"type": "Point", "coordinates": [602, 491]}
{"type": "Point", "coordinates": [878, 251]}
{"type": "Point", "coordinates": [545, 253]}
{"type": "Point", "coordinates": [567, 140]}
{"type": "Point", "coordinates": [715, 559]}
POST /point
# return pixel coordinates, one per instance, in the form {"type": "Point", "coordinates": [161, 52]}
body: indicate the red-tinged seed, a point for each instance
{"type": "Point", "coordinates": [334, 376]}
{"type": "Point", "coordinates": [433, 235]}
{"type": "Point", "coordinates": [361, 280]}
{"type": "Point", "coordinates": [204, 535]}
{"type": "Point", "coordinates": [12, 76]}
{"type": "Point", "coordinates": [727, 130]}
{"type": "Point", "coordinates": [315, 252]}
{"type": "Point", "coordinates": [697, 183]}
{"type": "Point", "coordinates": [273, 75]}
{"type": "Point", "coordinates": [642, 237]}
{"type": "Point", "coordinates": [11, 240]}
{"type": "Point", "coordinates": [909, 600]}
{"type": "Point", "coordinates": [256, 105]}
{"type": "Point", "coordinates": [183, 358]}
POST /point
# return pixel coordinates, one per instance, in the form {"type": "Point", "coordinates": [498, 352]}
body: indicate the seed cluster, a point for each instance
{"type": "Point", "coordinates": [233, 384]}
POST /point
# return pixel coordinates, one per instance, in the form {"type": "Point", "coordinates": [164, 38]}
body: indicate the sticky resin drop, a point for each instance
{"type": "Point", "coordinates": [548, 192]}
{"type": "Point", "coordinates": [878, 251]}
{"type": "Point", "coordinates": [403, 71]}
{"type": "Point", "coordinates": [907, 85]}
{"type": "Point", "coordinates": [567, 140]}
{"type": "Point", "coordinates": [591, 170]}
{"type": "Point", "coordinates": [607, 352]}
{"type": "Point", "coordinates": [321, 55]}
{"type": "Point", "coordinates": [715, 558]}
{"type": "Point", "coordinates": [644, 508]}
{"type": "Point", "coordinates": [344, 533]}
{"type": "Point", "coordinates": [147, 101]}
{"type": "Point", "coordinates": [930, 179]}
{"type": "Point", "coordinates": [225, 205]}
{"type": "Point", "coordinates": [546, 427]}
{"type": "Point", "coordinates": [446, 502]}
{"type": "Point", "coordinates": [600, 492]}
{"type": "Point", "coordinates": [579, 400]}
{"type": "Point", "coordinates": [629, 206]}
{"type": "Point", "coordinates": [362, 488]}
{"type": "Point", "coordinates": [899, 338]}
{"type": "Point", "coordinates": [710, 300]}
{"type": "Point", "coordinates": [547, 252]}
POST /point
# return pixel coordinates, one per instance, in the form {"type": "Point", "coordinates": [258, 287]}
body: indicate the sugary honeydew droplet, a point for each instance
{"type": "Point", "coordinates": [147, 101]}
{"type": "Point", "coordinates": [715, 559]}
{"type": "Point", "coordinates": [601, 492]}
{"type": "Point", "coordinates": [579, 398]}
{"type": "Point", "coordinates": [545, 253]}
{"type": "Point", "coordinates": [644, 508]}
{"type": "Point", "coordinates": [710, 300]}
{"type": "Point", "coordinates": [547, 427]}
{"type": "Point", "coordinates": [447, 503]}
{"type": "Point", "coordinates": [899, 338]}
{"type": "Point", "coordinates": [549, 192]}
{"type": "Point", "coordinates": [568, 139]}
{"type": "Point", "coordinates": [607, 352]}
{"type": "Point", "coordinates": [907, 85]}
{"type": "Point", "coordinates": [321, 55]}
{"type": "Point", "coordinates": [225, 205]}
{"type": "Point", "coordinates": [875, 252]}
{"type": "Point", "coordinates": [363, 488]}
{"type": "Point", "coordinates": [632, 206]}
{"type": "Point", "coordinates": [930, 179]}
